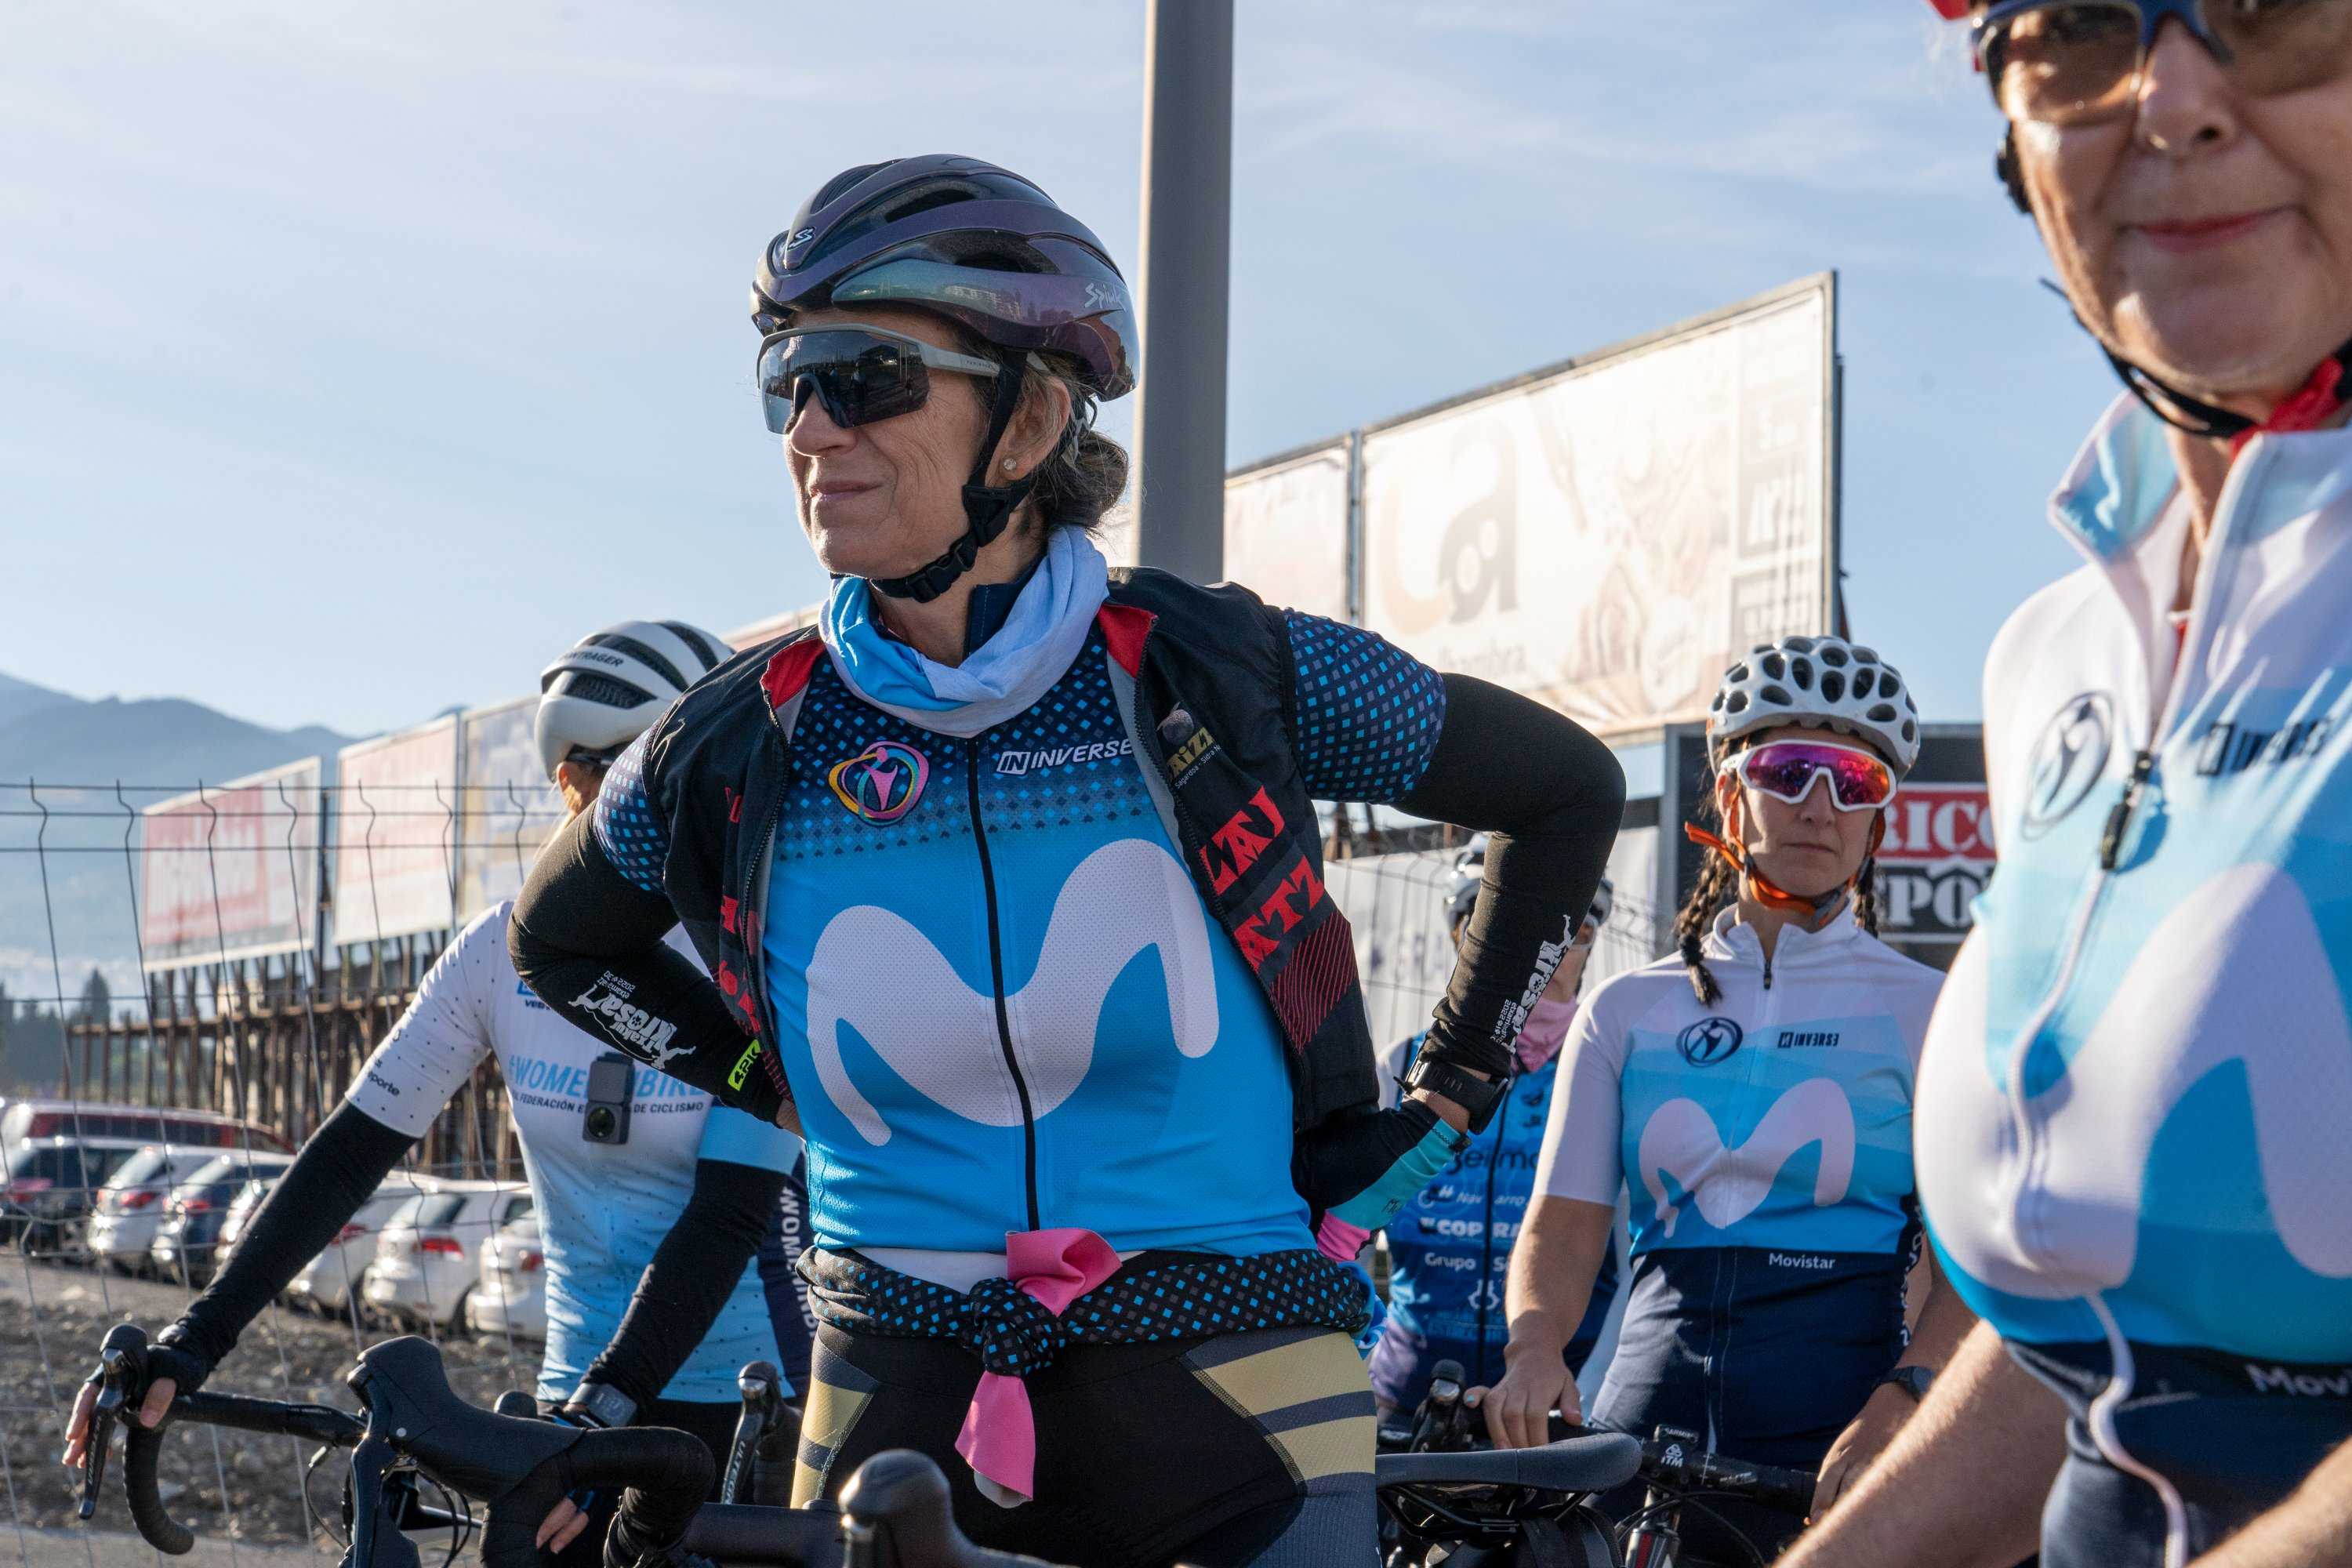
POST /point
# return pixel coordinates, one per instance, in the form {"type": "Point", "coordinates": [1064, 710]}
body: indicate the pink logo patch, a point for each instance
{"type": "Point", "coordinates": [881, 783]}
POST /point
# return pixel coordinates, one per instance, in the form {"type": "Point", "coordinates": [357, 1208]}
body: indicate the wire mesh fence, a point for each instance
{"type": "Point", "coordinates": [191, 977]}
{"type": "Point", "coordinates": [180, 1004]}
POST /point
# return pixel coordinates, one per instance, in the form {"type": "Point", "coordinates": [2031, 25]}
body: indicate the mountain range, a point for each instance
{"type": "Point", "coordinates": [65, 899]}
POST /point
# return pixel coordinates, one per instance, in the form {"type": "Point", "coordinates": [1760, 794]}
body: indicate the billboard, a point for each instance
{"type": "Point", "coordinates": [231, 872]}
{"type": "Point", "coordinates": [1937, 857]}
{"type": "Point", "coordinates": [395, 833]}
{"type": "Point", "coordinates": [1286, 531]}
{"type": "Point", "coordinates": [1606, 537]}
{"type": "Point", "coordinates": [507, 808]}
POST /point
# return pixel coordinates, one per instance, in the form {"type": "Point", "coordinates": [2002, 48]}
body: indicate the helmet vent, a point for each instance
{"type": "Point", "coordinates": [589, 686]}
{"type": "Point", "coordinates": [1740, 672]}
{"type": "Point", "coordinates": [1866, 656]}
{"type": "Point", "coordinates": [1735, 703]}
{"type": "Point", "coordinates": [658, 663]}
{"type": "Point", "coordinates": [1884, 713]}
{"type": "Point", "coordinates": [1801, 670]}
{"type": "Point", "coordinates": [1910, 731]}
{"type": "Point", "coordinates": [1775, 666]}
{"type": "Point", "coordinates": [1833, 656]}
{"type": "Point", "coordinates": [1778, 694]}
{"type": "Point", "coordinates": [1862, 678]}
{"type": "Point", "coordinates": [1797, 644]}
{"type": "Point", "coordinates": [711, 657]}
{"type": "Point", "coordinates": [1832, 685]}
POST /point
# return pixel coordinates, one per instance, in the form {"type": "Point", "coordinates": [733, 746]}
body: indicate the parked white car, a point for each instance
{"type": "Point", "coordinates": [327, 1281]}
{"type": "Point", "coordinates": [133, 1205]}
{"type": "Point", "coordinates": [424, 1265]}
{"type": "Point", "coordinates": [509, 1298]}
{"type": "Point", "coordinates": [241, 1210]}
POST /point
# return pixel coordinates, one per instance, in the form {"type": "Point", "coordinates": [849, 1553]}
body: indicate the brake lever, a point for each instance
{"type": "Point", "coordinates": [120, 1361]}
{"type": "Point", "coordinates": [376, 1509]}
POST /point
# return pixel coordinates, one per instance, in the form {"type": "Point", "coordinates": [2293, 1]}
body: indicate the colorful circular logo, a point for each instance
{"type": "Point", "coordinates": [881, 783]}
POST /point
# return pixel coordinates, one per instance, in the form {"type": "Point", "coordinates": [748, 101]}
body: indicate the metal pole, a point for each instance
{"type": "Point", "coordinates": [1188, 158]}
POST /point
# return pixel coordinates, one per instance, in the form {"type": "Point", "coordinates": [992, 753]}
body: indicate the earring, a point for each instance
{"type": "Point", "coordinates": [1008, 465]}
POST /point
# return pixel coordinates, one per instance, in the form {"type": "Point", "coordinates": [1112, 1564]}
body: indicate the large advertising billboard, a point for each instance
{"type": "Point", "coordinates": [1606, 537]}
{"type": "Point", "coordinates": [396, 834]}
{"type": "Point", "coordinates": [1286, 531]}
{"type": "Point", "coordinates": [232, 871]}
{"type": "Point", "coordinates": [507, 808]}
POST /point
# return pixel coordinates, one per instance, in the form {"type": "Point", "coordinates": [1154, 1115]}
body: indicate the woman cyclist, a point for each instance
{"type": "Point", "coordinates": [664, 1191]}
{"type": "Point", "coordinates": [1450, 1247]}
{"type": "Point", "coordinates": [1009, 882]}
{"type": "Point", "coordinates": [2134, 1100]}
{"type": "Point", "coordinates": [1752, 1094]}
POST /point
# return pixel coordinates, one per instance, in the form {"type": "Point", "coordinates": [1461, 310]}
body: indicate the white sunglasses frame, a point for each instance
{"type": "Point", "coordinates": [1732, 764]}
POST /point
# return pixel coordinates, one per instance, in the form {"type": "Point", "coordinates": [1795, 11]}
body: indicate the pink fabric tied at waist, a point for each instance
{"type": "Point", "coordinates": [999, 1440]}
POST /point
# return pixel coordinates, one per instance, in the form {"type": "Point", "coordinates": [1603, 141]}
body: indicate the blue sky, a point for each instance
{"type": "Point", "coordinates": [361, 358]}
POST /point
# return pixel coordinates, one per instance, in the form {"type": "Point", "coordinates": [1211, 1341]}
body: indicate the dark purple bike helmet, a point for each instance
{"type": "Point", "coordinates": [985, 248]}
{"type": "Point", "coordinates": [967, 239]}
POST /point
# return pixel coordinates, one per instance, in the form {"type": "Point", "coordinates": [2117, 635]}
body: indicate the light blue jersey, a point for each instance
{"type": "Point", "coordinates": [603, 1208]}
{"type": "Point", "coordinates": [2136, 1101]}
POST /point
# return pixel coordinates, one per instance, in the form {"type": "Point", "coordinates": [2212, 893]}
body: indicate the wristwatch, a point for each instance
{"type": "Point", "coordinates": [1478, 1095]}
{"type": "Point", "coordinates": [1913, 1381]}
{"type": "Point", "coordinates": [600, 1404]}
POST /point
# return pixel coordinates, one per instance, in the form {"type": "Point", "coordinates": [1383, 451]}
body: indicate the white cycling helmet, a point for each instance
{"type": "Point", "coordinates": [1819, 680]}
{"type": "Point", "coordinates": [615, 683]}
{"type": "Point", "coordinates": [1470, 871]}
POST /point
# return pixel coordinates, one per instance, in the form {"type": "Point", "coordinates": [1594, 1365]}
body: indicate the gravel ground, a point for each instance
{"type": "Point", "coordinates": [233, 1487]}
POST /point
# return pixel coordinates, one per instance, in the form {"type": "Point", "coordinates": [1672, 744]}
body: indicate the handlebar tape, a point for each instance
{"type": "Point", "coordinates": [142, 1447]}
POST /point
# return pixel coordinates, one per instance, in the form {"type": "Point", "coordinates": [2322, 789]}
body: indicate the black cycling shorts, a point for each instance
{"type": "Point", "coordinates": [1231, 1450]}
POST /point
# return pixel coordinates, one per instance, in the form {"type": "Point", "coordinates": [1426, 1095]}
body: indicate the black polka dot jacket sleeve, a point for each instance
{"type": "Point", "coordinates": [1372, 723]}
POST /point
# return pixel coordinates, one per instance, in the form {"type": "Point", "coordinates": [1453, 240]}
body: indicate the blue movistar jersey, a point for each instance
{"type": "Point", "coordinates": [1764, 1143]}
{"type": "Point", "coordinates": [602, 1208]}
{"type": "Point", "coordinates": [1003, 1006]}
{"type": "Point", "coordinates": [1450, 1250]}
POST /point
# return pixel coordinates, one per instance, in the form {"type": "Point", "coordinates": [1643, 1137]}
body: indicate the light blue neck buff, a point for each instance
{"type": "Point", "coordinates": [1008, 673]}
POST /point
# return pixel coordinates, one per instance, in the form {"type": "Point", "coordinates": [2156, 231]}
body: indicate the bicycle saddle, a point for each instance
{"type": "Point", "coordinates": [895, 1515]}
{"type": "Point", "coordinates": [466, 1448]}
{"type": "Point", "coordinates": [1590, 1463]}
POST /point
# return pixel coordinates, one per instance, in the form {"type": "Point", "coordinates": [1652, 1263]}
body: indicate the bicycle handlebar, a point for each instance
{"type": "Point", "coordinates": [1685, 1467]}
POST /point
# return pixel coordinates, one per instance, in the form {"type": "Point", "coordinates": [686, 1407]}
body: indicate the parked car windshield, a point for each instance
{"type": "Point", "coordinates": [150, 1165]}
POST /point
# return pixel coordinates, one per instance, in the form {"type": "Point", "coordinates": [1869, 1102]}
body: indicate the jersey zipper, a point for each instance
{"type": "Point", "coordinates": [996, 979]}
{"type": "Point", "coordinates": [2027, 1146]}
{"type": "Point", "coordinates": [755, 905]}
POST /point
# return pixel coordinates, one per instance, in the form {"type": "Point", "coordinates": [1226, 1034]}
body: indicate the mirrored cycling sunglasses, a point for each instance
{"type": "Point", "coordinates": [2063, 62]}
{"type": "Point", "coordinates": [857, 373]}
{"type": "Point", "coordinates": [1859, 780]}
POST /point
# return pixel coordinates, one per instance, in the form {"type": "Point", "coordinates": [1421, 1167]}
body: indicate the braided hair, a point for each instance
{"type": "Point", "coordinates": [1717, 886]}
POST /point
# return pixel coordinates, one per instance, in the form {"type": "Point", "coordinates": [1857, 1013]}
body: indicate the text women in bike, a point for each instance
{"type": "Point", "coordinates": [640, 1182]}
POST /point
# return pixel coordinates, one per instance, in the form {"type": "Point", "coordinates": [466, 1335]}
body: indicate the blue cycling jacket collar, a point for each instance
{"type": "Point", "coordinates": [1734, 941]}
{"type": "Point", "coordinates": [2114, 502]}
{"type": "Point", "coordinates": [1040, 637]}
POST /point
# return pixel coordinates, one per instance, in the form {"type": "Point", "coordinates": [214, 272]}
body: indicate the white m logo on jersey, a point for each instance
{"type": "Point", "coordinates": [2236, 975]}
{"type": "Point", "coordinates": [876, 971]}
{"type": "Point", "coordinates": [1680, 1140]}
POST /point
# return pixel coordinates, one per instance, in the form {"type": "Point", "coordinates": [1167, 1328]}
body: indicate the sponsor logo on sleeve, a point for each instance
{"type": "Point", "coordinates": [631, 1027]}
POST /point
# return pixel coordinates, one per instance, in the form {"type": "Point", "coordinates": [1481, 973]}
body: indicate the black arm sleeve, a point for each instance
{"type": "Point", "coordinates": [338, 1170]}
{"type": "Point", "coordinates": [1552, 797]}
{"type": "Point", "coordinates": [693, 1272]}
{"type": "Point", "coordinates": [590, 944]}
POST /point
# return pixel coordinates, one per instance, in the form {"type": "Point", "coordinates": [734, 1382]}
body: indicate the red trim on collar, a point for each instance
{"type": "Point", "coordinates": [787, 675]}
{"type": "Point", "coordinates": [1124, 628]}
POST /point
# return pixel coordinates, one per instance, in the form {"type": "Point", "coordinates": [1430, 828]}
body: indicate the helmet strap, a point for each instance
{"type": "Point", "coordinates": [986, 509]}
{"type": "Point", "coordinates": [1813, 913]}
{"type": "Point", "coordinates": [2310, 406]}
